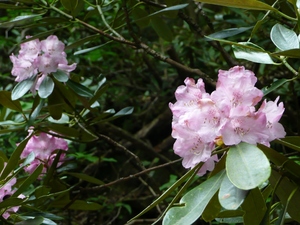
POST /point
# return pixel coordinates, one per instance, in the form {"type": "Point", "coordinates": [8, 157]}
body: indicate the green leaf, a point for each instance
{"type": "Point", "coordinates": [29, 180]}
{"type": "Point", "coordinates": [69, 5]}
{"type": "Point", "coordinates": [56, 104]}
{"type": "Point", "coordinates": [82, 41]}
{"type": "Point", "coordinates": [32, 221]}
{"type": "Point", "coordinates": [161, 29]}
{"type": "Point", "coordinates": [20, 20]}
{"type": "Point", "coordinates": [253, 54]}
{"type": "Point", "coordinates": [230, 196]}
{"type": "Point", "coordinates": [6, 101]}
{"type": "Point", "coordinates": [171, 8]}
{"type": "Point", "coordinates": [275, 85]}
{"type": "Point", "coordinates": [86, 50]}
{"type": "Point", "coordinates": [13, 161]}
{"type": "Point", "coordinates": [13, 6]}
{"type": "Point", "coordinates": [229, 32]}
{"type": "Point", "coordinates": [125, 111]}
{"type": "Point", "coordinates": [283, 189]}
{"type": "Point", "coordinates": [61, 76]}
{"type": "Point", "coordinates": [291, 53]}
{"type": "Point", "coordinates": [284, 38]}
{"type": "Point", "coordinates": [254, 207]}
{"type": "Point", "coordinates": [245, 4]}
{"type": "Point", "coordinates": [46, 87]}
{"type": "Point", "coordinates": [79, 89]}
{"type": "Point", "coordinates": [212, 209]}
{"type": "Point", "coordinates": [86, 177]}
{"type": "Point", "coordinates": [247, 166]}
{"type": "Point", "coordinates": [21, 88]}
{"type": "Point", "coordinates": [194, 202]}
{"type": "Point", "coordinates": [292, 142]}
{"type": "Point", "coordinates": [76, 205]}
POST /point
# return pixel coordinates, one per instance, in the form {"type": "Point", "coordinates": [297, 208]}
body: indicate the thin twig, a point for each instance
{"type": "Point", "coordinates": [97, 188]}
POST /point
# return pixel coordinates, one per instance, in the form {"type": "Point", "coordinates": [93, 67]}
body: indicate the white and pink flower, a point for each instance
{"type": "Point", "coordinates": [228, 116]}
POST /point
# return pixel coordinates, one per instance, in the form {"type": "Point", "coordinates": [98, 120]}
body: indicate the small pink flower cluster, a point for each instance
{"type": "Point", "coordinates": [5, 192]}
{"type": "Point", "coordinates": [43, 146]}
{"type": "Point", "coordinates": [227, 115]}
{"type": "Point", "coordinates": [40, 58]}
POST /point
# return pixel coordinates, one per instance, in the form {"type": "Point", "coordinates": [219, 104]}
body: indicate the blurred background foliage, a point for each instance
{"type": "Point", "coordinates": [143, 50]}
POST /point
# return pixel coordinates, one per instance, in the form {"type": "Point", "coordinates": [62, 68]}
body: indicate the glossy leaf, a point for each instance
{"type": "Point", "coordinates": [275, 85]}
{"type": "Point", "coordinates": [253, 54]}
{"type": "Point", "coordinates": [6, 101]}
{"type": "Point", "coordinates": [19, 20]}
{"type": "Point", "coordinates": [86, 50]}
{"type": "Point", "coordinates": [82, 41]}
{"type": "Point", "coordinates": [284, 38]}
{"type": "Point", "coordinates": [79, 89]}
{"type": "Point", "coordinates": [229, 32]}
{"type": "Point", "coordinates": [194, 202]}
{"type": "Point", "coordinates": [245, 4]}
{"type": "Point", "coordinates": [21, 89]}
{"type": "Point", "coordinates": [46, 87]}
{"type": "Point", "coordinates": [56, 104]}
{"type": "Point", "coordinates": [87, 178]}
{"type": "Point", "coordinates": [247, 166]}
{"type": "Point", "coordinates": [230, 196]}
{"type": "Point", "coordinates": [61, 76]}
{"type": "Point", "coordinates": [12, 6]}
{"type": "Point", "coordinates": [254, 207]}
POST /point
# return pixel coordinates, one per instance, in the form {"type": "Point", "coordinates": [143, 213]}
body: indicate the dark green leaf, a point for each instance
{"type": "Point", "coordinates": [125, 111]}
{"type": "Point", "coordinates": [86, 177]}
{"type": "Point", "coordinates": [229, 32]}
{"type": "Point", "coordinates": [194, 202]}
{"type": "Point", "coordinates": [283, 189]}
{"type": "Point", "coordinates": [12, 6]}
{"type": "Point", "coordinates": [254, 207]}
{"type": "Point", "coordinates": [247, 166]}
{"type": "Point", "coordinates": [292, 142]}
{"type": "Point", "coordinates": [86, 50]}
{"type": "Point", "coordinates": [46, 87]}
{"type": "Point", "coordinates": [171, 8]}
{"type": "Point", "coordinates": [245, 4]}
{"type": "Point", "coordinates": [32, 221]}
{"type": "Point", "coordinates": [79, 89]}
{"type": "Point", "coordinates": [6, 101]}
{"type": "Point", "coordinates": [291, 53]}
{"type": "Point", "coordinates": [82, 41]}
{"type": "Point", "coordinates": [29, 180]}
{"type": "Point", "coordinates": [13, 161]}
{"type": "Point", "coordinates": [274, 86]}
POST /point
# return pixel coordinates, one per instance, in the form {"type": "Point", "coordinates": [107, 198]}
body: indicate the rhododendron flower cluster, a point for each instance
{"type": "Point", "coordinates": [228, 115]}
{"type": "Point", "coordinates": [40, 58]}
{"type": "Point", "coordinates": [43, 146]}
{"type": "Point", "coordinates": [6, 191]}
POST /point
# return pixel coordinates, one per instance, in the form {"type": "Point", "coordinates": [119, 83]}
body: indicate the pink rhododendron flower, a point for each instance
{"type": "Point", "coordinates": [43, 146]}
{"type": "Point", "coordinates": [40, 58]}
{"type": "Point", "coordinates": [228, 116]}
{"type": "Point", "coordinates": [6, 191]}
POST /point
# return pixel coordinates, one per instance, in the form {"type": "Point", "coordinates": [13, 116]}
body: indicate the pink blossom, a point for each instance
{"type": "Point", "coordinates": [227, 116]}
{"type": "Point", "coordinates": [43, 146]}
{"type": "Point", "coordinates": [40, 58]}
